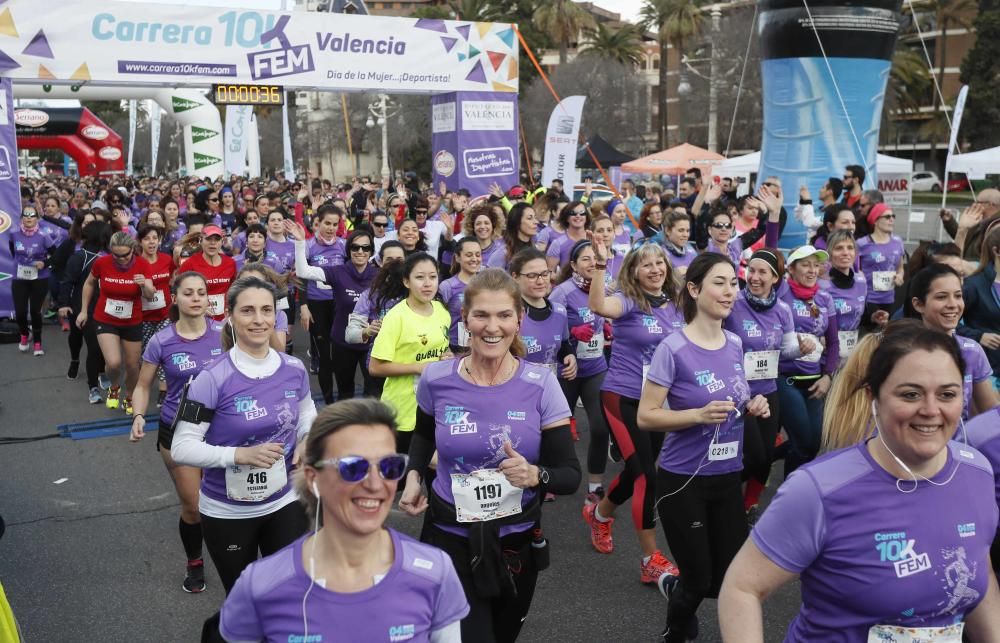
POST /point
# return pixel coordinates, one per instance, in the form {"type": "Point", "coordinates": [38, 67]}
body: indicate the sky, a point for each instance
{"type": "Point", "coordinates": [629, 9]}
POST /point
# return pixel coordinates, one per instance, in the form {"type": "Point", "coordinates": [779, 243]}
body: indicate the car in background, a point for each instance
{"type": "Point", "coordinates": [959, 185]}
{"type": "Point", "coordinates": [925, 182]}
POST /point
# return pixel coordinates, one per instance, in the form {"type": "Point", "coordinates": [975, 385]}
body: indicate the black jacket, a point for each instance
{"type": "Point", "coordinates": [982, 311]}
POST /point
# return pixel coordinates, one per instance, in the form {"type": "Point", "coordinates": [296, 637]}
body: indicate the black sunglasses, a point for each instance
{"type": "Point", "coordinates": [722, 226]}
{"type": "Point", "coordinates": [379, 224]}
{"type": "Point", "coordinates": [357, 247]}
{"type": "Point", "coordinates": [354, 468]}
{"type": "Point", "coordinates": [122, 256]}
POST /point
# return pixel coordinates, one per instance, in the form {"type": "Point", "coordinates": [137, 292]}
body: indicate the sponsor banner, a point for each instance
{"type": "Point", "coordinates": [10, 194]}
{"type": "Point", "coordinates": [158, 44]}
{"type": "Point", "coordinates": [475, 140]}
{"type": "Point", "coordinates": [895, 188]}
{"type": "Point", "coordinates": [237, 138]}
{"type": "Point", "coordinates": [562, 140]}
{"type": "Point", "coordinates": [154, 133]}
{"type": "Point", "coordinates": [253, 149]}
{"type": "Point", "coordinates": [106, 152]}
{"type": "Point", "coordinates": [286, 144]}
{"type": "Point", "coordinates": [94, 132]}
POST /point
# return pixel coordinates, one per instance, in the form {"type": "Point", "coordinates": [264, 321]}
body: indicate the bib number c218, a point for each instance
{"type": "Point", "coordinates": [723, 451]}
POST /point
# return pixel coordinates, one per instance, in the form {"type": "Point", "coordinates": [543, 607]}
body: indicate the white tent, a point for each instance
{"type": "Point", "coordinates": [976, 165]}
{"type": "Point", "coordinates": [750, 163]}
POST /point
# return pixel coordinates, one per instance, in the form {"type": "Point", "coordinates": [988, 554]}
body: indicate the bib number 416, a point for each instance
{"type": "Point", "coordinates": [257, 477]}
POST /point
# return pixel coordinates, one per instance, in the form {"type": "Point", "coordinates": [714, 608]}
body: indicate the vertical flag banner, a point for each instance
{"type": "Point", "coordinates": [956, 122]}
{"type": "Point", "coordinates": [286, 141]}
{"type": "Point", "coordinates": [237, 138]}
{"type": "Point", "coordinates": [131, 135]}
{"type": "Point", "coordinates": [10, 194]}
{"type": "Point", "coordinates": [562, 141]}
{"type": "Point", "coordinates": [154, 133]}
{"type": "Point", "coordinates": [253, 152]}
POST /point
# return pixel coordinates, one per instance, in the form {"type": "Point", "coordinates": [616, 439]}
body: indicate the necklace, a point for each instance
{"type": "Point", "coordinates": [465, 365]}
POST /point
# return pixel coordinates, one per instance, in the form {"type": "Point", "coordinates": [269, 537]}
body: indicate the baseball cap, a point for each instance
{"type": "Point", "coordinates": [517, 191]}
{"type": "Point", "coordinates": [803, 252]}
{"type": "Point", "coordinates": [212, 231]}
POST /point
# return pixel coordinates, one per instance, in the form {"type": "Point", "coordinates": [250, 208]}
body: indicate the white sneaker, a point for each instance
{"type": "Point", "coordinates": [23, 346]}
{"type": "Point", "coordinates": [38, 349]}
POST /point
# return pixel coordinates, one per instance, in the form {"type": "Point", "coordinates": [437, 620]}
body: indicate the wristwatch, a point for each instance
{"type": "Point", "coordinates": [543, 475]}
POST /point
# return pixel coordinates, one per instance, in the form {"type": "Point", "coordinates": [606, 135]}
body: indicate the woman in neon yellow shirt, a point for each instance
{"type": "Point", "coordinates": [414, 333]}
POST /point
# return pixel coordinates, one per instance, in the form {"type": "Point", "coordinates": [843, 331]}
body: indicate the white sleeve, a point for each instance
{"type": "Point", "coordinates": [302, 267]}
{"type": "Point", "coordinates": [806, 214]}
{"type": "Point", "coordinates": [450, 633]}
{"type": "Point", "coordinates": [307, 413]}
{"type": "Point", "coordinates": [189, 448]}
{"type": "Point", "coordinates": [355, 325]}
{"type": "Point", "coordinates": [790, 345]}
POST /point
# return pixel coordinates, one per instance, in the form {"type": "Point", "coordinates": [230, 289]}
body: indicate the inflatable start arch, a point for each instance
{"type": "Point", "coordinates": [95, 147]}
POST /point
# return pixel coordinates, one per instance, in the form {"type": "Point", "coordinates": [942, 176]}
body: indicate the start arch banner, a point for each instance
{"type": "Point", "coordinates": [156, 44]}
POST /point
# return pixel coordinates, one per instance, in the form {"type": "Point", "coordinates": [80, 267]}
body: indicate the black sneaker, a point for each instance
{"type": "Point", "coordinates": [194, 582]}
{"type": "Point", "coordinates": [74, 369]}
{"type": "Point", "coordinates": [313, 362]}
{"type": "Point", "coordinates": [614, 453]}
{"type": "Point", "coordinates": [753, 515]}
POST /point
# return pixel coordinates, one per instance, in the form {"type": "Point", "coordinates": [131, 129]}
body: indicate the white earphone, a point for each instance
{"type": "Point", "coordinates": [902, 464]}
{"type": "Point", "coordinates": [315, 489]}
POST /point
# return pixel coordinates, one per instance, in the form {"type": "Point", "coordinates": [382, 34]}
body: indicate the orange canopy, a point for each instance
{"type": "Point", "coordinates": [676, 160]}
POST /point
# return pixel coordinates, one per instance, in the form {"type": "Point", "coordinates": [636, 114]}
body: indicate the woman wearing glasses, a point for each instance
{"type": "Point", "coordinates": [574, 220]}
{"type": "Point", "coordinates": [721, 227]}
{"type": "Point", "coordinates": [544, 329]}
{"type": "Point", "coordinates": [31, 249]}
{"type": "Point", "coordinates": [500, 426]}
{"type": "Point", "coordinates": [353, 578]}
{"type": "Point", "coordinates": [345, 282]}
{"type": "Point", "coordinates": [881, 255]}
{"type": "Point", "coordinates": [123, 282]}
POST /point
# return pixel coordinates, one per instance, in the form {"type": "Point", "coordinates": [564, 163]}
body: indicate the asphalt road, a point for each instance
{"type": "Point", "coordinates": [92, 551]}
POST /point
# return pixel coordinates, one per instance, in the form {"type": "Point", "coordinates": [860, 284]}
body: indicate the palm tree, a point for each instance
{"type": "Point", "coordinates": [909, 80]}
{"type": "Point", "coordinates": [563, 20]}
{"type": "Point", "coordinates": [623, 44]}
{"type": "Point", "coordinates": [674, 22]}
{"type": "Point", "coordinates": [475, 10]}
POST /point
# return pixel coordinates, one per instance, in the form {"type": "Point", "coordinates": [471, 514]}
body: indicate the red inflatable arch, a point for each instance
{"type": "Point", "coordinates": [95, 147]}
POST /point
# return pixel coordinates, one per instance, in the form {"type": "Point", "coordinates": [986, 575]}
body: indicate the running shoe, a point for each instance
{"type": "Point", "coordinates": [95, 396]}
{"type": "Point", "coordinates": [753, 515]}
{"type": "Point", "coordinates": [127, 405]}
{"type": "Point", "coordinates": [667, 583]}
{"type": "Point", "coordinates": [600, 532]}
{"type": "Point", "coordinates": [23, 346]}
{"type": "Point", "coordinates": [103, 381]}
{"type": "Point", "coordinates": [49, 314]}
{"type": "Point", "coordinates": [159, 399]}
{"type": "Point", "coordinates": [194, 581]}
{"type": "Point", "coordinates": [594, 496]}
{"type": "Point", "coordinates": [573, 431]}
{"type": "Point", "coordinates": [74, 369]}
{"type": "Point", "coordinates": [657, 566]}
{"type": "Point", "coordinates": [614, 453]}
{"type": "Point", "coordinates": [112, 401]}
{"type": "Point", "coordinates": [64, 324]}
{"type": "Point", "coordinates": [38, 352]}
{"type": "Point", "coordinates": [313, 361]}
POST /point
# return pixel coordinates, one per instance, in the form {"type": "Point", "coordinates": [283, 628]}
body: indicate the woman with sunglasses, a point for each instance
{"type": "Point", "coordinates": [346, 283]}
{"type": "Point", "coordinates": [218, 269]}
{"type": "Point", "coordinates": [574, 220]}
{"type": "Point", "coordinates": [587, 339]}
{"type": "Point", "coordinates": [379, 226]}
{"type": "Point", "coordinates": [181, 351]}
{"type": "Point", "coordinates": [244, 421]}
{"type": "Point", "coordinates": [643, 314]}
{"type": "Point", "coordinates": [352, 578]}
{"type": "Point", "coordinates": [881, 256]}
{"type": "Point", "coordinates": [31, 249]}
{"type": "Point", "coordinates": [544, 328]}
{"type": "Point", "coordinates": [803, 382]}
{"type": "Point", "coordinates": [488, 509]}
{"type": "Point", "coordinates": [467, 263]}
{"type": "Point", "coordinates": [413, 335]}
{"type": "Point", "coordinates": [123, 282]}
{"type": "Point", "coordinates": [436, 232]}
{"type": "Point", "coordinates": [518, 234]}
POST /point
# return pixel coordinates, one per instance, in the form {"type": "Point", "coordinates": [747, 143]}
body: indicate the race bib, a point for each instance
{"type": "Point", "coordinates": [899, 634]}
{"type": "Point", "coordinates": [760, 365]}
{"type": "Point", "coordinates": [592, 349]}
{"type": "Point", "coordinates": [723, 451]}
{"type": "Point", "coordinates": [283, 303]}
{"type": "Point", "coordinates": [484, 495]}
{"type": "Point", "coordinates": [159, 301]}
{"type": "Point", "coordinates": [883, 280]}
{"type": "Point", "coordinates": [848, 342]}
{"type": "Point", "coordinates": [816, 353]}
{"type": "Point", "coordinates": [462, 335]}
{"type": "Point", "coordinates": [27, 272]}
{"type": "Point", "coordinates": [248, 483]}
{"type": "Point", "coordinates": [216, 305]}
{"type": "Point", "coordinates": [118, 309]}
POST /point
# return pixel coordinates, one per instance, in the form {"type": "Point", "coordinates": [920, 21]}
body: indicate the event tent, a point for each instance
{"type": "Point", "coordinates": [976, 165]}
{"type": "Point", "coordinates": [605, 152]}
{"type": "Point", "coordinates": [676, 160]}
{"type": "Point", "coordinates": [749, 163]}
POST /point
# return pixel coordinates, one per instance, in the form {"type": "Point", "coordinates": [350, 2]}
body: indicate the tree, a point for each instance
{"type": "Point", "coordinates": [981, 72]}
{"type": "Point", "coordinates": [433, 13]}
{"type": "Point", "coordinates": [564, 20]}
{"type": "Point", "coordinates": [674, 22]}
{"type": "Point", "coordinates": [909, 81]}
{"type": "Point", "coordinates": [623, 44]}
{"type": "Point", "coordinates": [476, 10]}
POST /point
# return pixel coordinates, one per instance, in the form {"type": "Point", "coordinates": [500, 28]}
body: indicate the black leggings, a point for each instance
{"type": "Point", "coordinates": [589, 389]}
{"type": "Point", "coordinates": [705, 526]}
{"type": "Point", "coordinates": [29, 294]}
{"type": "Point", "coordinates": [95, 359]}
{"type": "Point", "coordinates": [233, 543]}
{"type": "Point", "coordinates": [640, 450]}
{"type": "Point", "coordinates": [758, 441]}
{"type": "Point", "coordinates": [498, 619]}
{"type": "Point", "coordinates": [346, 362]}
{"type": "Point", "coordinates": [319, 340]}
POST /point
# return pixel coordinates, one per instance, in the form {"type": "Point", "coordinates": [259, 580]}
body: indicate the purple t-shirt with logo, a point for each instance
{"type": "Point", "coordinates": [543, 339]}
{"type": "Point", "coordinates": [984, 434]}
{"type": "Point", "coordinates": [281, 255]}
{"type": "Point", "coordinates": [420, 594]}
{"type": "Point", "coordinates": [473, 422]}
{"type": "Point", "coordinates": [348, 286]}
{"type": "Point", "coordinates": [578, 313]}
{"type": "Point", "coordinates": [29, 248]}
{"type": "Point", "coordinates": [760, 330]}
{"type": "Point", "coordinates": [977, 369]}
{"type": "Point", "coordinates": [842, 525]}
{"type": "Point", "coordinates": [695, 376]}
{"type": "Point", "coordinates": [820, 321]}
{"type": "Point", "coordinates": [249, 412]}
{"type": "Point", "coordinates": [181, 359]}
{"type": "Point", "coordinates": [681, 261]}
{"type": "Point", "coordinates": [636, 335]}
{"type": "Point", "coordinates": [323, 255]}
{"type": "Point", "coordinates": [452, 293]}
{"type": "Point", "coordinates": [622, 243]}
{"type": "Point", "coordinates": [879, 257]}
{"type": "Point", "coordinates": [849, 303]}
{"type": "Point", "coordinates": [561, 247]}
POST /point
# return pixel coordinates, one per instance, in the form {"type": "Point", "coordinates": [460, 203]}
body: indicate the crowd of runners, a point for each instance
{"type": "Point", "coordinates": [455, 340]}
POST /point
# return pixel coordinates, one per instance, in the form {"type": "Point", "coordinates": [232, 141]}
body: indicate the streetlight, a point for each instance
{"type": "Point", "coordinates": [379, 113]}
{"type": "Point", "coordinates": [684, 86]}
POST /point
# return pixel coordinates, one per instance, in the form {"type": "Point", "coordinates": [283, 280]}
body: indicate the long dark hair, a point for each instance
{"type": "Point", "coordinates": [920, 286]}
{"type": "Point", "coordinates": [830, 216]}
{"type": "Point", "coordinates": [513, 227]}
{"type": "Point", "coordinates": [389, 284]}
{"type": "Point", "coordinates": [696, 274]}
